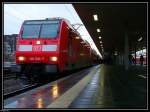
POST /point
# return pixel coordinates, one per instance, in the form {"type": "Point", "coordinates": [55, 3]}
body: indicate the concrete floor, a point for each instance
{"type": "Point", "coordinates": [114, 88]}
{"type": "Point", "coordinates": [102, 87]}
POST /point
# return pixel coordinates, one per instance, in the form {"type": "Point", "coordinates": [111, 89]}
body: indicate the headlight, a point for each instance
{"type": "Point", "coordinates": [21, 58]}
{"type": "Point", "coordinates": [38, 42]}
{"type": "Point", "coordinates": [53, 58]}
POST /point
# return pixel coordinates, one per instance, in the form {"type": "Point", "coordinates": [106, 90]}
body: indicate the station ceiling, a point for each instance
{"type": "Point", "coordinates": [114, 19]}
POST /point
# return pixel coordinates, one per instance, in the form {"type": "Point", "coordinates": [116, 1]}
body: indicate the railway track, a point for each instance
{"type": "Point", "coordinates": [19, 91]}
{"type": "Point", "coordinates": [28, 86]}
{"type": "Point", "coordinates": [9, 77]}
{"type": "Point", "coordinates": [14, 86]}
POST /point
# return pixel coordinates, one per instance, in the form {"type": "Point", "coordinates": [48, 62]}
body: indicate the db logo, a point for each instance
{"type": "Point", "coordinates": [37, 48]}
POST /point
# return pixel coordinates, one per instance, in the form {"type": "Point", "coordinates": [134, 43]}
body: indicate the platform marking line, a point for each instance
{"type": "Point", "coordinates": [142, 76]}
{"type": "Point", "coordinates": [17, 97]}
{"type": "Point", "coordinates": [67, 98]}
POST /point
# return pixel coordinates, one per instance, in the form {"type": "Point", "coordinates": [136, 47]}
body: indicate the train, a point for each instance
{"type": "Point", "coordinates": [51, 45]}
{"type": "Point", "coordinates": [138, 62]}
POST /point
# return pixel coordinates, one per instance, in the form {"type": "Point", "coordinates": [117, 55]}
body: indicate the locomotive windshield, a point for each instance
{"type": "Point", "coordinates": [42, 29]}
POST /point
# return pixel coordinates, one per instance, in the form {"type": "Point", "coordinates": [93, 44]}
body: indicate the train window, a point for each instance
{"type": "Point", "coordinates": [42, 29]}
{"type": "Point", "coordinates": [49, 30]}
{"type": "Point", "coordinates": [30, 31]}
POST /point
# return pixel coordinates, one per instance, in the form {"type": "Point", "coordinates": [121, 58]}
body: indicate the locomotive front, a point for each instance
{"type": "Point", "coordinates": [38, 46]}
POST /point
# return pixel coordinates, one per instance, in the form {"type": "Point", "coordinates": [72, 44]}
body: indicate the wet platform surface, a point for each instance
{"type": "Point", "coordinates": [41, 97]}
{"type": "Point", "coordinates": [97, 94]}
{"type": "Point", "coordinates": [102, 86]}
{"type": "Point", "coordinates": [114, 88]}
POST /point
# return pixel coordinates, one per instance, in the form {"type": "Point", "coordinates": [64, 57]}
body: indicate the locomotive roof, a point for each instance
{"type": "Point", "coordinates": [67, 22]}
{"type": "Point", "coordinates": [55, 18]}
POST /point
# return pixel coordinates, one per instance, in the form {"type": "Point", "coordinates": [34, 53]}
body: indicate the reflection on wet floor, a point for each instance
{"type": "Point", "coordinates": [96, 94]}
{"type": "Point", "coordinates": [112, 88]}
{"type": "Point", "coordinates": [107, 88]}
{"type": "Point", "coordinates": [40, 103]}
{"type": "Point", "coordinates": [55, 91]}
{"type": "Point", "coordinates": [40, 98]}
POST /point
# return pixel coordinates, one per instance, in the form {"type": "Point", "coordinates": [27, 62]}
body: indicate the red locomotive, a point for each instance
{"type": "Point", "coordinates": [51, 45]}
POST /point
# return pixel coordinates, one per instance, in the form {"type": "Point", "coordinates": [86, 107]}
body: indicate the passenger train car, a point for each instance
{"type": "Point", "coordinates": [49, 46]}
{"type": "Point", "coordinates": [144, 60]}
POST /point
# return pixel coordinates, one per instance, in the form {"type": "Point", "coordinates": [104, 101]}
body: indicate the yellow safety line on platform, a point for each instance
{"type": "Point", "coordinates": [68, 97]}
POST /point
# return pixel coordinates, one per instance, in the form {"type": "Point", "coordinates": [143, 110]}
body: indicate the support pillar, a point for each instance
{"type": "Point", "coordinates": [146, 56]}
{"type": "Point", "coordinates": [126, 52]}
{"type": "Point", "coordinates": [135, 54]}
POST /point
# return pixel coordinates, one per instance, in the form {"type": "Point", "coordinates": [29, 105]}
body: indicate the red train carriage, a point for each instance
{"type": "Point", "coordinates": [50, 45]}
{"type": "Point", "coordinates": [144, 60]}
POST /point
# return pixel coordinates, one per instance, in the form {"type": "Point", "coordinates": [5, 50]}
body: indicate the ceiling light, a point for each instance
{"type": "Point", "coordinates": [116, 53]}
{"type": "Point", "coordinates": [101, 42]}
{"type": "Point", "coordinates": [100, 37]}
{"type": "Point", "coordinates": [140, 39]}
{"type": "Point", "coordinates": [95, 17]}
{"type": "Point", "coordinates": [98, 30]}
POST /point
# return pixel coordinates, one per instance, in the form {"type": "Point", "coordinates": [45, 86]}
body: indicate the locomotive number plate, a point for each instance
{"type": "Point", "coordinates": [37, 48]}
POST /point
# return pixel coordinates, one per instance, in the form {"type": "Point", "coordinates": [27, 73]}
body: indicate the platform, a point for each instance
{"type": "Point", "coordinates": [101, 86]}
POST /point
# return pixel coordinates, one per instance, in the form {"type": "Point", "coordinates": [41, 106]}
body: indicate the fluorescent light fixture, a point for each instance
{"type": "Point", "coordinates": [116, 53]}
{"type": "Point", "coordinates": [95, 17]}
{"type": "Point", "coordinates": [98, 30]}
{"type": "Point", "coordinates": [101, 42]}
{"type": "Point", "coordinates": [140, 39]}
{"type": "Point", "coordinates": [100, 37]}
{"type": "Point", "coordinates": [101, 45]}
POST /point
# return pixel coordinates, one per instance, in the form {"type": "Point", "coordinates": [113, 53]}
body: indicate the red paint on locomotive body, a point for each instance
{"type": "Point", "coordinates": [36, 51]}
{"type": "Point", "coordinates": [63, 50]}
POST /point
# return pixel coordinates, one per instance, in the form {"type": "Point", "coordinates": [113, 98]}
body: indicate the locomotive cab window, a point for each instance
{"type": "Point", "coordinates": [30, 31]}
{"type": "Point", "coordinates": [49, 30]}
{"type": "Point", "coordinates": [42, 29]}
